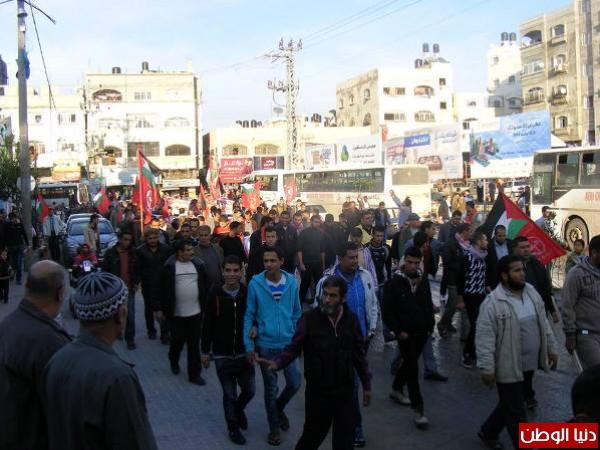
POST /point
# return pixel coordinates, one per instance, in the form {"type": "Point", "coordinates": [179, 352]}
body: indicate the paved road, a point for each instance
{"type": "Point", "coordinates": [185, 416]}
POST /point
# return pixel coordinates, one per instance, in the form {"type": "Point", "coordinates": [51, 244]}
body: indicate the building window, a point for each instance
{"type": "Point", "coordinates": [142, 96]}
{"type": "Point", "coordinates": [107, 95]}
{"type": "Point", "coordinates": [532, 67]}
{"type": "Point", "coordinates": [367, 95]}
{"type": "Point", "coordinates": [177, 122]}
{"type": "Point", "coordinates": [467, 123]}
{"type": "Point", "coordinates": [443, 105]}
{"type": "Point", "coordinates": [235, 150]}
{"type": "Point", "coordinates": [266, 150]}
{"type": "Point", "coordinates": [394, 91]}
{"type": "Point", "coordinates": [560, 91]}
{"type": "Point", "coordinates": [534, 37]}
{"type": "Point", "coordinates": [38, 119]}
{"type": "Point", "coordinates": [442, 82]}
{"type": "Point", "coordinates": [178, 150]}
{"type": "Point", "coordinates": [472, 104]}
{"type": "Point", "coordinates": [394, 117]}
{"type": "Point", "coordinates": [514, 103]}
{"type": "Point", "coordinates": [424, 116]}
{"type": "Point", "coordinates": [496, 102]}
{"type": "Point", "coordinates": [141, 121]}
{"type": "Point", "coordinates": [424, 91]}
{"type": "Point", "coordinates": [558, 30]}
{"type": "Point", "coordinates": [114, 152]}
{"type": "Point", "coordinates": [1, 90]}
{"type": "Point", "coordinates": [352, 122]}
{"type": "Point", "coordinates": [512, 79]}
{"type": "Point", "coordinates": [562, 122]}
{"type": "Point", "coordinates": [341, 106]}
{"type": "Point", "coordinates": [496, 82]}
{"type": "Point", "coordinates": [495, 60]}
{"type": "Point", "coordinates": [147, 148]}
{"type": "Point", "coordinates": [73, 118]}
{"type": "Point", "coordinates": [367, 120]}
{"type": "Point", "coordinates": [535, 95]}
{"type": "Point", "coordinates": [109, 124]}
{"type": "Point", "coordinates": [351, 102]}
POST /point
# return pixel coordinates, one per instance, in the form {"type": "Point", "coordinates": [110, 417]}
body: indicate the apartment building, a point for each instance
{"type": "Point", "coordinates": [504, 75]}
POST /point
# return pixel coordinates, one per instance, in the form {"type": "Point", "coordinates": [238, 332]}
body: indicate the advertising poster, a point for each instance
{"type": "Point", "coordinates": [439, 149]}
{"type": "Point", "coordinates": [394, 152]}
{"type": "Point", "coordinates": [359, 151]}
{"type": "Point", "coordinates": [505, 147]}
{"type": "Point", "coordinates": [269, 162]}
{"type": "Point", "coordinates": [233, 170]}
{"type": "Point", "coordinates": [319, 156]}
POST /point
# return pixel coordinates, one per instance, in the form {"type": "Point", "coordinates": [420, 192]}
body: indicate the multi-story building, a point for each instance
{"type": "Point", "coordinates": [561, 69]}
{"type": "Point", "coordinates": [504, 75]}
{"type": "Point", "coordinates": [155, 111]}
{"type": "Point", "coordinates": [399, 99]}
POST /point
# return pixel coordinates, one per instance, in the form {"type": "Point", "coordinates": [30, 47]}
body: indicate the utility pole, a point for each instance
{"type": "Point", "coordinates": [24, 167]}
{"type": "Point", "coordinates": [286, 52]}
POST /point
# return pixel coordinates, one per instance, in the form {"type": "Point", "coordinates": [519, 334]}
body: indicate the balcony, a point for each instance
{"type": "Point", "coordinates": [559, 68]}
{"type": "Point", "coordinates": [534, 98]}
{"type": "Point", "coordinates": [560, 39]}
{"type": "Point", "coordinates": [567, 131]}
{"type": "Point", "coordinates": [559, 95]}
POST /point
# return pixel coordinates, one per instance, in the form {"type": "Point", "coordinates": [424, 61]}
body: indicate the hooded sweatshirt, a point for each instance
{"type": "Point", "coordinates": [275, 319]}
{"type": "Point", "coordinates": [581, 298]}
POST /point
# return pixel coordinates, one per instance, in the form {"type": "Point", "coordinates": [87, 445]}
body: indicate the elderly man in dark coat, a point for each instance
{"type": "Point", "coordinates": [94, 399]}
{"type": "Point", "coordinates": [29, 336]}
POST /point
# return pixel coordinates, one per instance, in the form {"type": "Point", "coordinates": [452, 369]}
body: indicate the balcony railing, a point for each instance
{"type": "Point", "coordinates": [560, 68]}
{"type": "Point", "coordinates": [566, 131]}
{"type": "Point", "coordinates": [531, 99]}
{"type": "Point", "coordinates": [558, 39]}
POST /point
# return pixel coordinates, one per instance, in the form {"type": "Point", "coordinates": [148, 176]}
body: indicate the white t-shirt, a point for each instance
{"type": "Point", "coordinates": [276, 288]}
{"type": "Point", "coordinates": [186, 289]}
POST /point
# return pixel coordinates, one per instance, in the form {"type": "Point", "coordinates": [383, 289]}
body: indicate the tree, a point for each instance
{"type": "Point", "coordinates": [9, 172]}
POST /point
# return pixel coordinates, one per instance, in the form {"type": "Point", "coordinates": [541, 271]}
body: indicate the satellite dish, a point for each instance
{"type": "Point", "coordinates": [278, 110]}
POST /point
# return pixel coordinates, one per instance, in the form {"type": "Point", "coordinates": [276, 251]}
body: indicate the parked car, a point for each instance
{"type": "Point", "coordinates": [74, 238]}
{"type": "Point", "coordinates": [79, 216]}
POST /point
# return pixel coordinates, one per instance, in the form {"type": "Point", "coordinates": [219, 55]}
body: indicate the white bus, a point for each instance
{"type": "Point", "coordinates": [568, 180]}
{"type": "Point", "coordinates": [69, 194]}
{"type": "Point", "coordinates": [271, 184]}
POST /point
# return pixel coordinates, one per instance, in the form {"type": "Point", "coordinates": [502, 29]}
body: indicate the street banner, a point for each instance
{"type": "Point", "coordinates": [505, 212]}
{"type": "Point", "coordinates": [291, 190]}
{"type": "Point", "coordinates": [505, 147]}
{"type": "Point", "coordinates": [359, 151]}
{"type": "Point", "coordinates": [319, 156]}
{"type": "Point", "coordinates": [233, 170]}
{"type": "Point", "coordinates": [438, 148]}
{"type": "Point", "coordinates": [147, 187]}
{"type": "Point", "coordinates": [394, 152]}
{"type": "Point", "coordinates": [269, 162]}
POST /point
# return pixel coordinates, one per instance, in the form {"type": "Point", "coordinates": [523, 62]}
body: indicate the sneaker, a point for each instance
{"type": "Point", "coordinates": [198, 380]}
{"type": "Point", "coordinates": [242, 420]}
{"type": "Point", "coordinates": [421, 421]}
{"type": "Point", "coordinates": [531, 403]}
{"type": "Point", "coordinates": [493, 443]}
{"type": "Point", "coordinates": [468, 362]}
{"type": "Point", "coordinates": [237, 437]}
{"type": "Point", "coordinates": [284, 422]}
{"type": "Point", "coordinates": [274, 438]}
{"type": "Point", "coordinates": [389, 337]}
{"type": "Point", "coordinates": [435, 376]}
{"type": "Point", "coordinates": [400, 398]}
{"type": "Point", "coordinates": [131, 345]}
{"type": "Point", "coordinates": [359, 442]}
{"type": "Point", "coordinates": [175, 368]}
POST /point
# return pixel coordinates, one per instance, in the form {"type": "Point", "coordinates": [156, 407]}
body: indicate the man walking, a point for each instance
{"type": "Point", "coordinates": [269, 325]}
{"type": "Point", "coordinates": [151, 257]}
{"type": "Point", "coordinates": [287, 238]}
{"type": "Point", "coordinates": [366, 226]}
{"type": "Point", "coordinates": [513, 339]}
{"type": "Point", "coordinates": [29, 336]}
{"type": "Point", "coordinates": [183, 295]}
{"type": "Point", "coordinates": [581, 309]}
{"type": "Point", "coordinates": [500, 246]}
{"type": "Point", "coordinates": [93, 398]}
{"type": "Point", "coordinates": [408, 312]}
{"type": "Point", "coordinates": [120, 260]}
{"type": "Point", "coordinates": [16, 242]}
{"type": "Point", "coordinates": [332, 342]}
{"type": "Point", "coordinates": [211, 255]}
{"type": "Point", "coordinates": [404, 235]}
{"type": "Point", "coordinates": [255, 259]}
{"type": "Point", "coordinates": [223, 337]}
{"type": "Point", "coordinates": [52, 228]}
{"type": "Point", "coordinates": [311, 255]}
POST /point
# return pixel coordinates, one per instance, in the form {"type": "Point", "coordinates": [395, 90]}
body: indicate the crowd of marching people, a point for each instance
{"type": "Point", "coordinates": [259, 289]}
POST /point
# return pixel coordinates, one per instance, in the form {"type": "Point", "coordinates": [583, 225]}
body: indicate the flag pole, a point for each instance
{"type": "Point", "coordinates": [140, 194]}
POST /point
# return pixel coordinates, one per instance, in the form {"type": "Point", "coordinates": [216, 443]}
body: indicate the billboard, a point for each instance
{"type": "Point", "coordinates": [319, 156]}
{"type": "Point", "coordinates": [394, 152]}
{"type": "Point", "coordinates": [233, 170]}
{"type": "Point", "coordinates": [438, 148]}
{"type": "Point", "coordinates": [269, 162]}
{"type": "Point", "coordinates": [359, 151]}
{"type": "Point", "coordinates": [505, 147]}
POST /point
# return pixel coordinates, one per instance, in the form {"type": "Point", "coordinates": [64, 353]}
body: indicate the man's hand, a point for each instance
{"type": "Point", "coordinates": [460, 302]}
{"type": "Point", "coordinates": [392, 192]}
{"type": "Point", "coordinates": [205, 361]}
{"type": "Point", "coordinates": [252, 358]}
{"type": "Point", "coordinates": [553, 360]}
{"type": "Point", "coordinates": [555, 317]}
{"type": "Point", "coordinates": [267, 363]}
{"type": "Point", "coordinates": [366, 398]}
{"type": "Point", "coordinates": [403, 336]}
{"type": "Point", "coordinates": [302, 267]}
{"type": "Point", "coordinates": [489, 379]}
{"type": "Point", "coordinates": [253, 333]}
{"type": "Point", "coordinates": [159, 315]}
{"type": "Point", "coordinates": [571, 344]}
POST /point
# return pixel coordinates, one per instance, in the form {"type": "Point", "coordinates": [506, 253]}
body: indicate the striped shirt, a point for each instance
{"type": "Point", "coordinates": [276, 288]}
{"type": "Point", "coordinates": [475, 276]}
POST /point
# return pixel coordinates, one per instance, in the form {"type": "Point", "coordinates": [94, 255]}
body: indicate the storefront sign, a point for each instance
{"type": "Point", "coordinates": [233, 170]}
{"type": "Point", "coordinates": [269, 162]}
{"type": "Point", "coordinates": [359, 151]}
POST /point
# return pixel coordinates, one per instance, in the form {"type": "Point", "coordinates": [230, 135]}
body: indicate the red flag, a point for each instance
{"type": "Point", "coordinates": [147, 195]}
{"type": "Point", "coordinates": [202, 202]}
{"type": "Point", "coordinates": [42, 208]}
{"type": "Point", "coordinates": [291, 190]}
{"type": "Point", "coordinates": [251, 196]}
{"type": "Point", "coordinates": [101, 201]}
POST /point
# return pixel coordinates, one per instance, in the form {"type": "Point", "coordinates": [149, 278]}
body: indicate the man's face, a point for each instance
{"type": "Point", "coordinates": [284, 219]}
{"type": "Point", "coordinates": [343, 221]}
{"type": "Point", "coordinates": [194, 228]}
{"type": "Point", "coordinates": [272, 262]}
{"type": "Point", "coordinates": [349, 262]}
{"type": "Point", "coordinates": [430, 232]}
{"type": "Point", "coordinates": [125, 241]}
{"type": "Point", "coordinates": [594, 257]}
{"type": "Point", "coordinates": [411, 265]}
{"type": "Point", "coordinates": [271, 238]}
{"type": "Point", "coordinates": [500, 235]}
{"type": "Point", "coordinates": [186, 254]}
{"type": "Point", "coordinates": [367, 221]}
{"type": "Point", "coordinates": [523, 249]}
{"type": "Point", "coordinates": [482, 243]}
{"type": "Point", "coordinates": [356, 239]}
{"type": "Point", "coordinates": [515, 279]}
{"type": "Point", "coordinates": [316, 222]}
{"type": "Point", "coordinates": [155, 224]}
{"type": "Point", "coordinates": [331, 300]}
{"type": "Point", "coordinates": [152, 240]}
{"type": "Point", "coordinates": [50, 212]}
{"type": "Point", "coordinates": [185, 232]}
{"type": "Point", "coordinates": [578, 247]}
{"type": "Point", "coordinates": [414, 223]}
{"type": "Point", "coordinates": [377, 238]}
{"type": "Point", "coordinates": [13, 219]}
{"type": "Point", "coordinates": [85, 250]}
{"type": "Point", "coordinates": [456, 220]}
{"type": "Point", "coordinates": [232, 274]}
{"type": "Point", "coordinates": [381, 206]}
{"type": "Point", "coordinates": [204, 238]}
{"type": "Point", "coordinates": [233, 231]}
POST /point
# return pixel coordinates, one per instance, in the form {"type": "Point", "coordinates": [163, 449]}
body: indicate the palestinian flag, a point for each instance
{"type": "Point", "coordinates": [291, 190]}
{"type": "Point", "coordinates": [41, 208]}
{"type": "Point", "coordinates": [505, 212]}
{"type": "Point", "coordinates": [147, 187]}
{"type": "Point", "coordinates": [101, 201]}
{"type": "Point", "coordinates": [251, 196]}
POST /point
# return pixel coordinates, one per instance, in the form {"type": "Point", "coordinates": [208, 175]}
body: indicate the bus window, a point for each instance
{"type": "Point", "coordinates": [409, 176]}
{"type": "Point", "coordinates": [590, 169]}
{"type": "Point", "coordinates": [267, 182]}
{"type": "Point", "coordinates": [543, 169]}
{"type": "Point", "coordinates": [566, 169]}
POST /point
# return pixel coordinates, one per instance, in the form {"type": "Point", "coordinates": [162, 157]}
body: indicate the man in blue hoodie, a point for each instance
{"type": "Point", "coordinates": [273, 309]}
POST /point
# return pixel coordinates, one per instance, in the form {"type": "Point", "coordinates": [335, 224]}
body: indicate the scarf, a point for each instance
{"type": "Point", "coordinates": [466, 245]}
{"type": "Point", "coordinates": [477, 253]}
{"type": "Point", "coordinates": [414, 281]}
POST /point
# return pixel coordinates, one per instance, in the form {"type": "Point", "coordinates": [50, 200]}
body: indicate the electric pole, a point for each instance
{"type": "Point", "coordinates": [24, 167]}
{"type": "Point", "coordinates": [286, 52]}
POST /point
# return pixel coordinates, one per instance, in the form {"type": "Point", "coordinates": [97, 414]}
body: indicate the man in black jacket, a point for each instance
{"type": "Point", "coordinates": [333, 347]}
{"type": "Point", "coordinates": [16, 242]}
{"type": "Point", "coordinates": [151, 257]}
{"type": "Point", "coordinates": [184, 289]}
{"type": "Point", "coordinates": [223, 337]}
{"type": "Point", "coordinates": [408, 312]}
{"type": "Point", "coordinates": [498, 247]}
{"type": "Point", "coordinates": [120, 260]}
{"type": "Point", "coordinates": [29, 337]}
{"type": "Point", "coordinates": [255, 258]}
{"type": "Point", "coordinates": [287, 239]}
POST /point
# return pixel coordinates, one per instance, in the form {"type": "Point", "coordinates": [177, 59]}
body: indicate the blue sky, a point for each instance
{"type": "Point", "coordinates": [94, 35]}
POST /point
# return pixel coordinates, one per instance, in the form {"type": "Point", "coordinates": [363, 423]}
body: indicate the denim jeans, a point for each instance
{"type": "Point", "coordinates": [275, 404]}
{"type": "Point", "coordinates": [15, 256]}
{"type": "Point", "coordinates": [233, 373]}
{"type": "Point", "coordinates": [429, 363]}
{"type": "Point", "coordinates": [386, 330]}
{"type": "Point", "coordinates": [130, 325]}
{"type": "Point", "coordinates": [358, 428]}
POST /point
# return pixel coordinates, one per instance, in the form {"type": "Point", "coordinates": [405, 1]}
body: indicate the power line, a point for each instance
{"type": "Point", "coordinates": [37, 35]}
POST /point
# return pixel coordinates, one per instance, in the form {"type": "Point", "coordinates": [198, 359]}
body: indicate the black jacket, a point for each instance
{"type": "Point", "coordinates": [15, 235]}
{"type": "Point", "coordinates": [491, 264]}
{"type": "Point", "coordinates": [112, 264]}
{"type": "Point", "coordinates": [233, 246]}
{"type": "Point", "coordinates": [255, 262]}
{"type": "Point", "coordinates": [223, 323]}
{"type": "Point", "coordinates": [406, 311]}
{"type": "Point", "coordinates": [287, 239]}
{"type": "Point", "coordinates": [537, 276]}
{"type": "Point", "coordinates": [150, 265]}
{"type": "Point", "coordinates": [456, 264]}
{"type": "Point", "coordinates": [167, 304]}
{"type": "Point", "coordinates": [28, 339]}
{"type": "Point", "coordinates": [335, 235]}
